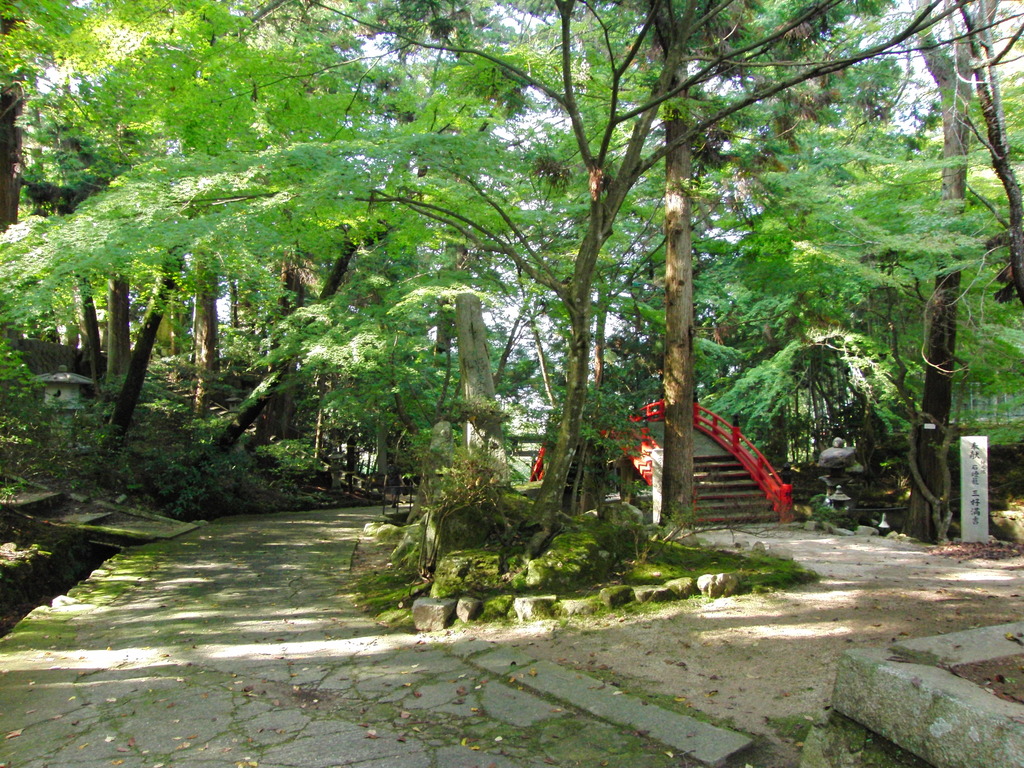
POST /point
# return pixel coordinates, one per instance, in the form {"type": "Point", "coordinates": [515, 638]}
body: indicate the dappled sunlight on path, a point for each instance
{"type": "Point", "coordinates": [239, 645]}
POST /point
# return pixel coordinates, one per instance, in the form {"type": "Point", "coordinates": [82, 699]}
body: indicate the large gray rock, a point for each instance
{"type": "Point", "coordinates": [838, 456]}
{"type": "Point", "coordinates": [430, 614]}
{"type": "Point", "coordinates": [718, 584]}
{"type": "Point", "coordinates": [866, 530]}
{"type": "Point", "coordinates": [533, 608]}
{"type": "Point", "coordinates": [469, 608]}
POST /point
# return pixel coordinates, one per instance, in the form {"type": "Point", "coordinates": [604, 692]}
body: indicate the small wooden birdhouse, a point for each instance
{"type": "Point", "coordinates": [63, 389]}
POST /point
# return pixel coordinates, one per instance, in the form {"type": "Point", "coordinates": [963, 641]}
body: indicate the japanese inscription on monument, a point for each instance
{"type": "Point", "coordinates": [974, 488]}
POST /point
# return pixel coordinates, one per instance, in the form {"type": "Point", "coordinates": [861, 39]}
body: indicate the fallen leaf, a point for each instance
{"type": "Point", "coordinates": [371, 734]}
{"type": "Point", "coordinates": [14, 734]}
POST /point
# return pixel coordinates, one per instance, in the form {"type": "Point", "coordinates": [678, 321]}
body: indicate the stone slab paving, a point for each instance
{"type": "Point", "coordinates": [238, 646]}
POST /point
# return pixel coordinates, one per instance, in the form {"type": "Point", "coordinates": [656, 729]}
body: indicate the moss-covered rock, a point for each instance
{"type": "Point", "coordinates": [385, 533]}
{"type": "Point", "coordinates": [622, 537]}
{"type": "Point", "coordinates": [842, 743]}
{"type": "Point", "coordinates": [407, 552]}
{"type": "Point", "coordinates": [465, 531]}
{"type": "Point", "coordinates": [573, 561]}
{"type": "Point", "coordinates": [468, 572]}
{"type": "Point", "coordinates": [497, 608]}
{"type": "Point", "coordinates": [617, 595]}
{"type": "Point", "coordinates": [586, 606]}
{"type": "Point", "coordinates": [684, 586]}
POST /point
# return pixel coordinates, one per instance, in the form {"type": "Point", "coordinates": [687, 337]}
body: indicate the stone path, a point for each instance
{"type": "Point", "coordinates": [237, 645]}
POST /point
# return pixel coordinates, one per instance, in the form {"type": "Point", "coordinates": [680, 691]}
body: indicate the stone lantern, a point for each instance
{"type": "Point", "coordinates": [841, 463]}
{"type": "Point", "coordinates": [63, 389]}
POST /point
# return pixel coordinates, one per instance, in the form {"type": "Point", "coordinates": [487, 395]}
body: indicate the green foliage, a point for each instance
{"type": "Point", "coordinates": [469, 508]}
{"type": "Point", "coordinates": [826, 513]}
{"type": "Point", "coordinates": [289, 461]}
{"type": "Point", "coordinates": [33, 439]}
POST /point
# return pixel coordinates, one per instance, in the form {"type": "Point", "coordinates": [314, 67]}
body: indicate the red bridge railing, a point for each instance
{"type": "Point", "coordinates": [730, 437]}
{"type": "Point", "coordinates": [727, 435]}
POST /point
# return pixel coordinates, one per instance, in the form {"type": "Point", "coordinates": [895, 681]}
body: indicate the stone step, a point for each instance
{"type": "Point", "coordinates": [730, 494]}
{"type": "Point", "coordinates": [708, 744]}
{"type": "Point", "coordinates": [34, 502]}
{"type": "Point", "coordinates": [906, 694]}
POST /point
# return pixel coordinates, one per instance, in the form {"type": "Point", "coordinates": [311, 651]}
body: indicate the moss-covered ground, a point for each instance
{"type": "Point", "coordinates": [387, 591]}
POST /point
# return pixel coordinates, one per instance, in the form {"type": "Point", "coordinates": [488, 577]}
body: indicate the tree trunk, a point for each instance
{"type": "Point", "coordinates": [599, 343]}
{"type": "Point", "coordinates": [929, 513]}
{"type": "Point", "coordinates": [205, 328]}
{"type": "Point", "coordinates": [131, 390]}
{"type": "Point", "coordinates": [276, 420]}
{"type": "Point", "coordinates": [483, 425]}
{"type": "Point", "coordinates": [558, 461]}
{"type": "Point", "coordinates": [253, 406]}
{"type": "Point", "coordinates": [118, 327]}
{"type": "Point", "coordinates": [542, 362]}
{"type": "Point", "coordinates": [383, 463]}
{"type": "Point", "coordinates": [986, 80]}
{"type": "Point", "coordinates": [91, 332]}
{"type": "Point", "coordinates": [677, 478]}
{"type": "Point", "coordinates": [12, 101]}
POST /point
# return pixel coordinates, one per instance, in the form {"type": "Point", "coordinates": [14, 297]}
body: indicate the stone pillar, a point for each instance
{"type": "Point", "coordinates": [657, 473]}
{"type": "Point", "coordinates": [974, 489]}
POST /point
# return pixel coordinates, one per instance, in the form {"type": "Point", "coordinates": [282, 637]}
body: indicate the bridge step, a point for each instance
{"type": "Point", "coordinates": [726, 493]}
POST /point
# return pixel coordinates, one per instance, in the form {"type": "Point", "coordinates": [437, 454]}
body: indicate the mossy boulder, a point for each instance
{"type": "Point", "coordinates": [586, 606]}
{"type": "Point", "coordinates": [573, 561]}
{"type": "Point", "coordinates": [407, 552]}
{"type": "Point", "coordinates": [467, 572]}
{"type": "Point", "coordinates": [617, 595]}
{"type": "Point", "coordinates": [385, 533]}
{"type": "Point", "coordinates": [684, 586]}
{"type": "Point", "coordinates": [466, 529]}
{"type": "Point", "coordinates": [497, 608]}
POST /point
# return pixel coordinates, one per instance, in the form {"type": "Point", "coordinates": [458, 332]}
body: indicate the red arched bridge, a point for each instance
{"type": "Point", "coordinates": [733, 479]}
